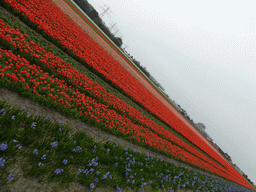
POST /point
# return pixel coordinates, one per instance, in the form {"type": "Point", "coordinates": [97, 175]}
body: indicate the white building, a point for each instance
{"type": "Point", "coordinates": [238, 169]}
{"type": "Point", "coordinates": [179, 108]}
{"type": "Point", "coordinates": [176, 105]}
{"type": "Point", "coordinates": [202, 128]}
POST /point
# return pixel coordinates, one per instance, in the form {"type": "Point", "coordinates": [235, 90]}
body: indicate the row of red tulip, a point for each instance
{"type": "Point", "coordinates": [103, 116]}
{"type": "Point", "coordinates": [58, 25]}
{"type": "Point", "coordinates": [77, 80]}
{"type": "Point", "coordinates": [38, 49]}
{"type": "Point", "coordinates": [76, 40]}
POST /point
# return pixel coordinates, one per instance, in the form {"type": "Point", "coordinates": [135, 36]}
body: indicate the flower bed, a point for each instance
{"type": "Point", "coordinates": [94, 109]}
{"type": "Point", "coordinates": [98, 113]}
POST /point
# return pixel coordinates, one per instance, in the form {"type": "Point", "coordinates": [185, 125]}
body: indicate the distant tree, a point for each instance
{"type": "Point", "coordinates": [118, 41]}
{"type": "Point", "coordinates": [106, 30]}
{"type": "Point", "coordinates": [97, 21]}
{"type": "Point", "coordinates": [143, 69]}
{"type": "Point", "coordinates": [136, 62]}
{"type": "Point", "coordinates": [93, 14]}
{"type": "Point", "coordinates": [84, 5]}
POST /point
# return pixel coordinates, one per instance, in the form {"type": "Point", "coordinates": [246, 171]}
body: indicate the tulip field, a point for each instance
{"type": "Point", "coordinates": [46, 57]}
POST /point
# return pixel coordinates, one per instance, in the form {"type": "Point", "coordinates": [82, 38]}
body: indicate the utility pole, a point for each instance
{"type": "Point", "coordinates": [105, 11]}
{"type": "Point", "coordinates": [112, 26]}
{"type": "Point", "coordinates": [116, 32]}
{"type": "Point", "coordinates": [125, 47]}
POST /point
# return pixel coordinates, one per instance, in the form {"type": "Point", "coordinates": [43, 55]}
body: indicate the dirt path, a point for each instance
{"type": "Point", "coordinates": [35, 107]}
{"type": "Point", "coordinates": [31, 184]}
{"type": "Point", "coordinates": [96, 37]}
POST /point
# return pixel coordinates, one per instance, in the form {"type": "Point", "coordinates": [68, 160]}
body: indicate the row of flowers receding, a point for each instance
{"type": "Point", "coordinates": [89, 87]}
{"type": "Point", "coordinates": [73, 38]}
{"type": "Point", "coordinates": [98, 113]}
{"type": "Point", "coordinates": [19, 41]}
{"type": "Point", "coordinates": [58, 26]}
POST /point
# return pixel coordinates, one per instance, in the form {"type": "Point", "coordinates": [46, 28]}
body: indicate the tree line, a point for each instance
{"type": "Point", "coordinates": [94, 15]}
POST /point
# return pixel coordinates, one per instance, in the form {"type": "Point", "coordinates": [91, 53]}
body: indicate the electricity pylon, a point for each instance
{"type": "Point", "coordinates": [112, 26]}
{"type": "Point", "coordinates": [105, 11]}
{"type": "Point", "coordinates": [116, 32]}
{"type": "Point", "coordinates": [125, 47]}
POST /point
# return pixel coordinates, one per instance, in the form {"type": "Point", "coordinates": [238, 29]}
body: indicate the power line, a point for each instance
{"type": "Point", "coordinates": [125, 47]}
{"type": "Point", "coordinates": [105, 11]}
{"type": "Point", "coordinates": [112, 26]}
{"type": "Point", "coordinates": [116, 32]}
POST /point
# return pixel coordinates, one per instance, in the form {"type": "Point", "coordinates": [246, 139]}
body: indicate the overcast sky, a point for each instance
{"type": "Point", "coordinates": [204, 55]}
